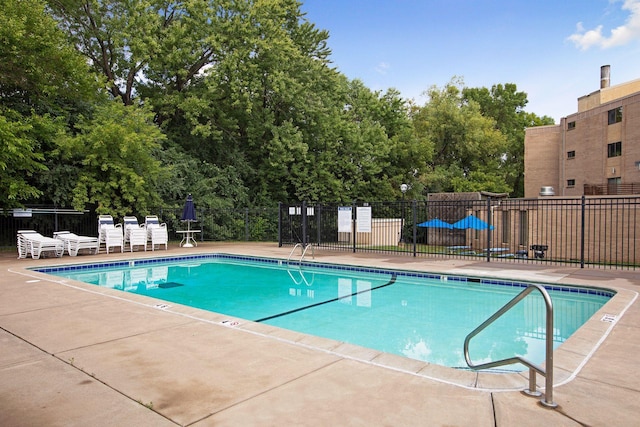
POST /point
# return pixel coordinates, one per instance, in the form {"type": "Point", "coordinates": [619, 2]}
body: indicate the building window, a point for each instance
{"type": "Point", "coordinates": [571, 125]}
{"type": "Point", "coordinates": [571, 183]}
{"type": "Point", "coordinates": [614, 149]}
{"type": "Point", "coordinates": [615, 115]}
{"type": "Point", "coordinates": [571, 154]}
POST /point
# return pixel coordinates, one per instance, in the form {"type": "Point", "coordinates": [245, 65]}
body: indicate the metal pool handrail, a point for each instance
{"type": "Point", "coordinates": [533, 368]}
{"type": "Point", "coordinates": [303, 249]}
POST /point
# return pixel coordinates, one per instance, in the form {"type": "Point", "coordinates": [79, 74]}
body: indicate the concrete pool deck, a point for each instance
{"type": "Point", "coordinates": [76, 354]}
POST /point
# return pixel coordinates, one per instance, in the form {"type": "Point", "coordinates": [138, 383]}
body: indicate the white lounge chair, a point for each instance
{"type": "Point", "coordinates": [134, 233]}
{"type": "Point", "coordinates": [157, 232]}
{"type": "Point", "coordinates": [109, 233]}
{"type": "Point", "coordinates": [32, 243]}
{"type": "Point", "coordinates": [74, 243]}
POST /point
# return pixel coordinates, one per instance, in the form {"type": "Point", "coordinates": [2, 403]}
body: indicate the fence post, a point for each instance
{"type": "Point", "coordinates": [489, 222]}
{"type": "Point", "coordinates": [246, 224]}
{"type": "Point", "coordinates": [582, 219]}
{"type": "Point", "coordinates": [415, 227]}
{"type": "Point", "coordinates": [318, 224]}
{"type": "Point", "coordinates": [279, 224]}
{"type": "Point", "coordinates": [353, 224]}
{"type": "Point", "coordinates": [305, 238]}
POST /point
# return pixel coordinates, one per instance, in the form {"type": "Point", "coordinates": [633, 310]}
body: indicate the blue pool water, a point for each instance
{"type": "Point", "coordinates": [416, 315]}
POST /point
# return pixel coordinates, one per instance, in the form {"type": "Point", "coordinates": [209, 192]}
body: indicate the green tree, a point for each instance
{"type": "Point", "coordinates": [468, 149]}
{"type": "Point", "coordinates": [117, 37]}
{"type": "Point", "coordinates": [19, 160]}
{"type": "Point", "coordinates": [43, 82]}
{"type": "Point", "coordinates": [506, 106]}
{"type": "Point", "coordinates": [113, 151]}
{"type": "Point", "coordinates": [262, 107]}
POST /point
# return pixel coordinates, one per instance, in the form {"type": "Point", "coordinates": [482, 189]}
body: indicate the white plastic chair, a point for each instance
{"type": "Point", "coordinates": [159, 236]}
{"type": "Point", "coordinates": [114, 239]}
{"type": "Point", "coordinates": [157, 232]}
{"type": "Point", "coordinates": [134, 234]}
{"type": "Point", "coordinates": [109, 233]}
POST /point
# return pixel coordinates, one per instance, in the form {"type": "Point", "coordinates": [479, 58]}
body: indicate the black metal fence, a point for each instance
{"type": "Point", "coordinates": [255, 224]}
{"type": "Point", "coordinates": [600, 232]}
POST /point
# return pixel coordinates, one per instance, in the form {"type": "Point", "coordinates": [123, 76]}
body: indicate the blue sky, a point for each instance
{"type": "Point", "coordinates": [550, 49]}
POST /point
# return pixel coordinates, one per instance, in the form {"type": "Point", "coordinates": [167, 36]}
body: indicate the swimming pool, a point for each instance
{"type": "Point", "coordinates": [417, 315]}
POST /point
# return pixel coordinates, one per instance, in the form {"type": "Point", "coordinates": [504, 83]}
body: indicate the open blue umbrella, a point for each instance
{"type": "Point", "coordinates": [189, 213]}
{"type": "Point", "coordinates": [472, 222]}
{"type": "Point", "coordinates": [436, 223]}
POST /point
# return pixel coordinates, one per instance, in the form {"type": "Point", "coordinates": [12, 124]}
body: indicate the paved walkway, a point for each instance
{"type": "Point", "coordinates": [73, 354]}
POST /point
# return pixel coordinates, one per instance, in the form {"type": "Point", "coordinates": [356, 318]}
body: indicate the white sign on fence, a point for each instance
{"type": "Point", "coordinates": [344, 219]}
{"type": "Point", "coordinates": [363, 222]}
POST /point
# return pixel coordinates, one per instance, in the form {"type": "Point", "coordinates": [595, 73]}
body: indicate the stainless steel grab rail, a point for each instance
{"type": "Point", "coordinates": [533, 368]}
{"type": "Point", "coordinates": [303, 249]}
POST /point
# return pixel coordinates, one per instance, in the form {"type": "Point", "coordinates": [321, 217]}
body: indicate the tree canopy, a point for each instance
{"type": "Point", "coordinates": [122, 106]}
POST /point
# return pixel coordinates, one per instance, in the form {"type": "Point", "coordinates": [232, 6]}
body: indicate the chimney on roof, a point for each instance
{"type": "Point", "coordinates": [605, 76]}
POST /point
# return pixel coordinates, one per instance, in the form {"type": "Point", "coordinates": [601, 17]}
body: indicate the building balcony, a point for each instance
{"type": "Point", "coordinates": [611, 189]}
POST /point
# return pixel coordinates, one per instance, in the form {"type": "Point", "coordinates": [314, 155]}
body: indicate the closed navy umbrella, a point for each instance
{"type": "Point", "coordinates": [188, 215]}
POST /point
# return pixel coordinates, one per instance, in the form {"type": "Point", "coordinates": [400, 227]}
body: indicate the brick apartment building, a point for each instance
{"type": "Point", "coordinates": [595, 151]}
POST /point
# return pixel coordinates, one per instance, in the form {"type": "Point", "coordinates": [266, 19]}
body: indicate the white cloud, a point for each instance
{"type": "Point", "coordinates": [619, 36]}
{"type": "Point", "coordinates": [383, 67]}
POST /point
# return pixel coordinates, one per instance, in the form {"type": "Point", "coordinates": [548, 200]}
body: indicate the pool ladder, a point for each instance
{"type": "Point", "coordinates": [304, 249]}
{"type": "Point", "coordinates": [533, 368]}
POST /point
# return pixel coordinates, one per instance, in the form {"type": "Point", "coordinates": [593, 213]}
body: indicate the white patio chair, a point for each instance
{"type": "Point", "coordinates": [114, 238]}
{"type": "Point", "coordinates": [110, 233]}
{"type": "Point", "coordinates": [159, 236]}
{"type": "Point", "coordinates": [134, 233]}
{"type": "Point", "coordinates": [33, 243]}
{"type": "Point", "coordinates": [74, 243]}
{"type": "Point", "coordinates": [156, 232]}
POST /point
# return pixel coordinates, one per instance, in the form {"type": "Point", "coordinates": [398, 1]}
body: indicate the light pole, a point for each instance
{"type": "Point", "coordinates": [403, 188]}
